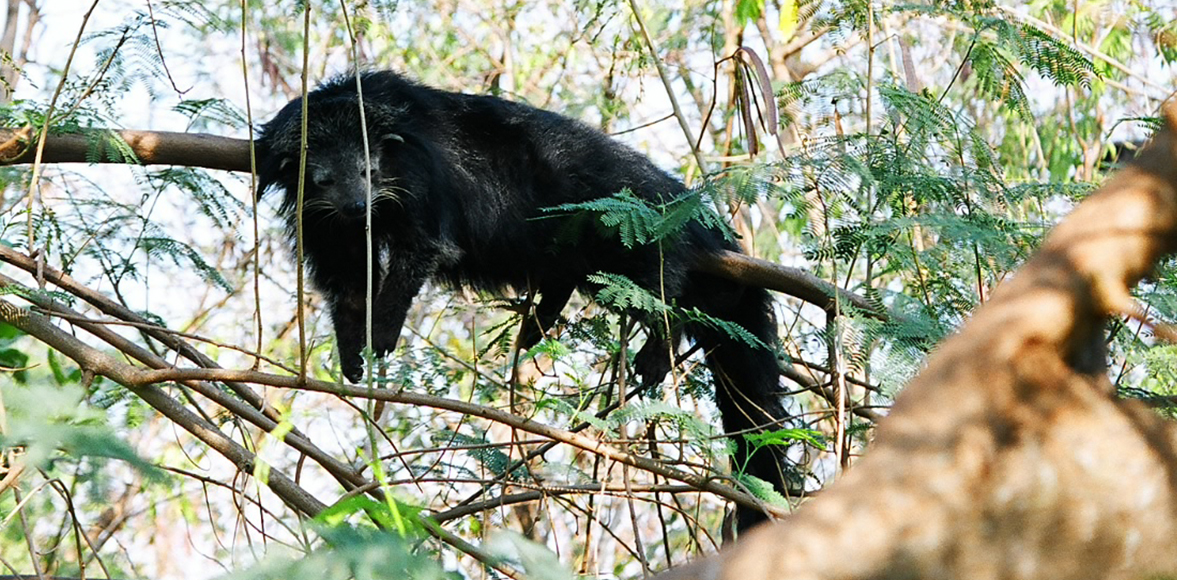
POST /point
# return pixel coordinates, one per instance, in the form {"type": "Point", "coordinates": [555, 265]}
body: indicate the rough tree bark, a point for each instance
{"type": "Point", "coordinates": [1010, 455]}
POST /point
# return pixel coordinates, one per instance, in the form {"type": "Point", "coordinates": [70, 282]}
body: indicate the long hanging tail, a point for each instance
{"type": "Point", "coordinates": [747, 378]}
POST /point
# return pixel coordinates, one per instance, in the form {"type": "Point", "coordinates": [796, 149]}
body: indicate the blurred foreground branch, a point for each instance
{"type": "Point", "coordinates": [1010, 455]}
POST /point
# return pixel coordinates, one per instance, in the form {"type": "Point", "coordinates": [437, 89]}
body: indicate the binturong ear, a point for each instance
{"type": "Point", "coordinates": [391, 147]}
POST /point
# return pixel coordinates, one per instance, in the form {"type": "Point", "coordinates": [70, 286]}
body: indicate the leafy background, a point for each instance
{"type": "Point", "coordinates": [919, 153]}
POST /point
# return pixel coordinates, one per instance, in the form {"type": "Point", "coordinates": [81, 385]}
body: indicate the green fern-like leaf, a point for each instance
{"type": "Point", "coordinates": [104, 145]}
{"type": "Point", "coordinates": [998, 78]}
{"type": "Point", "coordinates": [925, 115]}
{"type": "Point", "coordinates": [213, 199]}
{"type": "Point", "coordinates": [686, 421]}
{"type": "Point", "coordinates": [205, 112]}
{"type": "Point", "coordinates": [729, 328]}
{"type": "Point", "coordinates": [490, 457]}
{"type": "Point", "coordinates": [761, 489]}
{"type": "Point", "coordinates": [1054, 60]}
{"type": "Point", "coordinates": [182, 253]}
{"type": "Point", "coordinates": [786, 437]}
{"type": "Point", "coordinates": [639, 221]}
{"type": "Point", "coordinates": [635, 220]}
{"type": "Point", "coordinates": [607, 424]}
{"type": "Point", "coordinates": [26, 292]}
{"type": "Point", "coordinates": [621, 293]}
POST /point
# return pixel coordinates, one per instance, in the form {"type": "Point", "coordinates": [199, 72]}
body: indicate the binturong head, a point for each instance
{"type": "Point", "coordinates": [339, 179]}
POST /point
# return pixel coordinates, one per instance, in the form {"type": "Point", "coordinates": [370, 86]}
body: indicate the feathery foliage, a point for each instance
{"type": "Point", "coordinates": [986, 124]}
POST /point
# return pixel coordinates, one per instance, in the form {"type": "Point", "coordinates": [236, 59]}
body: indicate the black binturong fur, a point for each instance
{"type": "Point", "coordinates": [457, 182]}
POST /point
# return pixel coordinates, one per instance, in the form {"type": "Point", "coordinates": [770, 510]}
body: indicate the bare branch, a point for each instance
{"type": "Point", "coordinates": [343, 473]}
{"type": "Point", "coordinates": [142, 382]}
{"type": "Point", "coordinates": [131, 377]}
{"type": "Point", "coordinates": [112, 308]}
{"type": "Point", "coordinates": [584, 442]}
{"type": "Point", "coordinates": [150, 148]}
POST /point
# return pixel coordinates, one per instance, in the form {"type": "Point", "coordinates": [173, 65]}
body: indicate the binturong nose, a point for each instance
{"type": "Point", "coordinates": [354, 209]}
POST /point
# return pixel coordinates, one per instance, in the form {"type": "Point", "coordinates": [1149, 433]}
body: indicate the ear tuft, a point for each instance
{"type": "Point", "coordinates": [262, 185]}
{"type": "Point", "coordinates": [268, 174]}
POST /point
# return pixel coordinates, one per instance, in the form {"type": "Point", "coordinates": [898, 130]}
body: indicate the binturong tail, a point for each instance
{"type": "Point", "coordinates": [747, 377]}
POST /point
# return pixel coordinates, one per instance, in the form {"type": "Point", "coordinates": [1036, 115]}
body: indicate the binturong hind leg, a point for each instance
{"type": "Point", "coordinates": [747, 378]}
{"type": "Point", "coordinates": [553, 298]}
{"type": "Point", "coordinates": [746, 412]}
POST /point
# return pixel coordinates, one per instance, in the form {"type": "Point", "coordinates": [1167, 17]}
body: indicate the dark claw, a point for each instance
{"type": "Point", "coordinates": [384, 345]}
{"type": "Point", "coordinates": [353, 363]}
{"type": "Point", "coordinates": [354, 374]}
{"type": "Point", "coordinates": [353, 366]}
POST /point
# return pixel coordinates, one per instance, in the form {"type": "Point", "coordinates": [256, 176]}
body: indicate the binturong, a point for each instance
{"type": "Point", "coordinates": [459, 184]}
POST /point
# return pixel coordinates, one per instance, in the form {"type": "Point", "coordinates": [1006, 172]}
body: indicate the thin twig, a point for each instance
{"type": "Point", "coordinates": [141, 382]}
{"type": "Point", "coordinates": [665, 77]}
{"type": "Point", "coordinates": [35, 180]}
{"type": "Point", "coordinates": [92, 360]}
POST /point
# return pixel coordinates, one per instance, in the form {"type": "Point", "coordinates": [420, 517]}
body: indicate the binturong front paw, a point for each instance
{"type": "Point", "coordinates": [353, 364]}
{"type": "Point", "coordinates": [352, 359]}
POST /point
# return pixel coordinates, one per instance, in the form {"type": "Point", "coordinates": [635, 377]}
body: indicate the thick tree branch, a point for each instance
{"type": "Point", "coordinates": [229, 154]}
{"type": "Point", "coordinates": [792, 281]}
{"type": "Point", "coordinates": [148, 147]}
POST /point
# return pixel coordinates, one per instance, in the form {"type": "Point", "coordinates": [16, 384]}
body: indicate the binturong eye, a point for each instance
{"type": "Point", "coordinates": [392, 138]}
